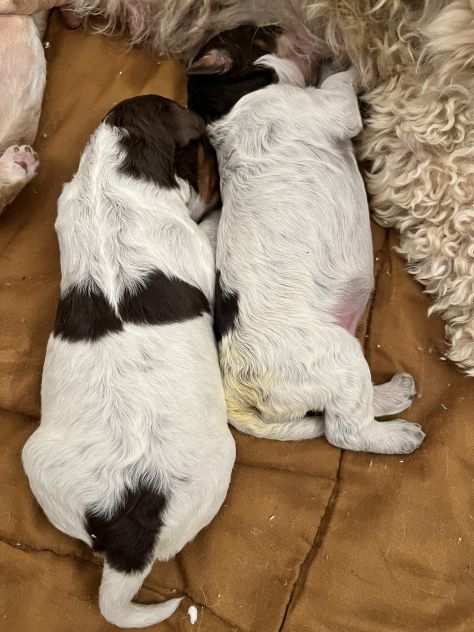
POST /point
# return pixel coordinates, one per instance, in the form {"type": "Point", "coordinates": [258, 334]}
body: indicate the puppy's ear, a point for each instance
{"type": "Point", "coordinates": [187, 125]}
{"type": "Point", "coordinates": [216, 61]}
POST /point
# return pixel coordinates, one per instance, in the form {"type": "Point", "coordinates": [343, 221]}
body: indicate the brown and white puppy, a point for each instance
{"type": "Point", "coordinates": [23, 78]}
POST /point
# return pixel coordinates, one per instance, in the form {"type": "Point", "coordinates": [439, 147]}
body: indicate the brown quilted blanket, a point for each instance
{"type": "Point", "coordinates": [310, 539]}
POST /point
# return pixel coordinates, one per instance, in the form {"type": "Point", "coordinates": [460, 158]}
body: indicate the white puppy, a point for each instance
{"type": "Point", "coordinates": [294, 257]}
{"type": "Point", "coordinates": [133, 455]}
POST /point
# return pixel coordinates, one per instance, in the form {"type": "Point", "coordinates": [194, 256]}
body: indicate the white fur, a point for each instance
{"type": "Point", "coordinates": [145, 403]}
{"type": "Point", "coordinates": [295, 244]}
{"type": "Point", "coordinates": [286, 70]}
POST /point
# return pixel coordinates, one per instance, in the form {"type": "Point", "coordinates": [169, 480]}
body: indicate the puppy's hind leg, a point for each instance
{"type": "Point", "coordinates": [350, 422]}
{"type": "Point", "coordinates": [284, 414]}
{"type": "Point", "coordinates": [394, 396]}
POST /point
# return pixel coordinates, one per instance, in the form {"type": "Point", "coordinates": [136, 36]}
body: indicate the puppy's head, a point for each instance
{"type": "Point", "coordinates": [224, 70]}
{"type": "Point", "coordinates": [162, 141]}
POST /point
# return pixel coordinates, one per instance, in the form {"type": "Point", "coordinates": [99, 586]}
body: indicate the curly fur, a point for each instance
{"type": "Point", "coordinates": [178, 28]}
{"type": "Point", "coordinates": [416, 63]}
{"type": "Point", "coordinates": [419, 139]}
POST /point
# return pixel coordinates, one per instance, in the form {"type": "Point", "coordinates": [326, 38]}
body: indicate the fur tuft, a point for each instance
{"type": "Point", "coordinates": [286, 70]}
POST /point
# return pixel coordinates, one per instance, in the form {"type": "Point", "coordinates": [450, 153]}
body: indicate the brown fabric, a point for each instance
{"type": "Point", "coordinates": [309, 539]}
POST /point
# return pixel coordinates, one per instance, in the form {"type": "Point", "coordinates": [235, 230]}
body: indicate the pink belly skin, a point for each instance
{"type": "Point", "coordinates": [349, 316]}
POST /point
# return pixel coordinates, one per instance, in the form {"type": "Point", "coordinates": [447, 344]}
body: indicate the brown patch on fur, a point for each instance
{"type": "Point", "coordinates": [208, 174]}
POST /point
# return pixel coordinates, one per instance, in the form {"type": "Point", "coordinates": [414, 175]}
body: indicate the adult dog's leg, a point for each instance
{"type": "Point", "coordinates": [18, 165]}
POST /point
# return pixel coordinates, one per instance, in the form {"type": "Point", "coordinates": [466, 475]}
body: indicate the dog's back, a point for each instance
{"type": "Point", "coordinates": [295, 212]}
{"type": "Point", "coordinates": [133, 455]}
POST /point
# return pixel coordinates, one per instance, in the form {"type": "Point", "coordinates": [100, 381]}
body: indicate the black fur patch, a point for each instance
{"type": "Point", "coordinates": [153, 128]}
{"type": "Point", "coordinates": [85, 314]}
{"type": "Point", "coordinates": [226, 309]}
{"type": "Point", "coordinates": [187, 163]}
{"type": "Point", "coordinates": [149, 147]}
{"type": "Point", "coordinates": [213, 96]}
{"type": "Point", "coordinates": [161, 300]}
{"type": "Point", "coordinates": [127, 538]}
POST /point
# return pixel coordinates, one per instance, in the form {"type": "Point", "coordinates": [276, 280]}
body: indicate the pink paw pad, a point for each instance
{"type": "Point", "coordinates": [23, 156]}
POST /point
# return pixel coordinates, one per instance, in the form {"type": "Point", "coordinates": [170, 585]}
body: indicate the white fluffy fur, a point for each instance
{"type": "Point", "coordinates": [294, 244]}
{"type": "Point", "coordinates": [22, 78]}
{"type": "Point", "coordinates": [143, 404]}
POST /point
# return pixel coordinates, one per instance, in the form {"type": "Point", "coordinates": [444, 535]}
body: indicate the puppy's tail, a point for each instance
{"type": "Point", "coordinates": [127, 539]}
{"type": "Point", "coordinates": [246, 418]}
{"type": "Point", "coordinates": [117, 590]}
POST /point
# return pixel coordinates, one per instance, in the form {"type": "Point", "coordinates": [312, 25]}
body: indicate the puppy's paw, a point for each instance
{"type": "Point", "coordinates": [395, 396]}
{"type": "Point", "coordinates": [398, 437]}
{"type": "Point", "coordinates": [404, 388]}
{"type": "Point", "coordinates": [19, 163]}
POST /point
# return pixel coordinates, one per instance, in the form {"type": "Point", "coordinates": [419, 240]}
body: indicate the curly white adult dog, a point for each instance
{"type": "Point", "coordinates": [294, 259]}
{"type": "Point", "coordinates": [133, 455]}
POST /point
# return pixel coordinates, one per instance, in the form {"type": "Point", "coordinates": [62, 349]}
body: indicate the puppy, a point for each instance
{"type": "Point", "coordinates": [294, 256]}
{"type": "Point", "coordinates": [23, 78]}
{"type": "Point", "coordinates": [133, 455]}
